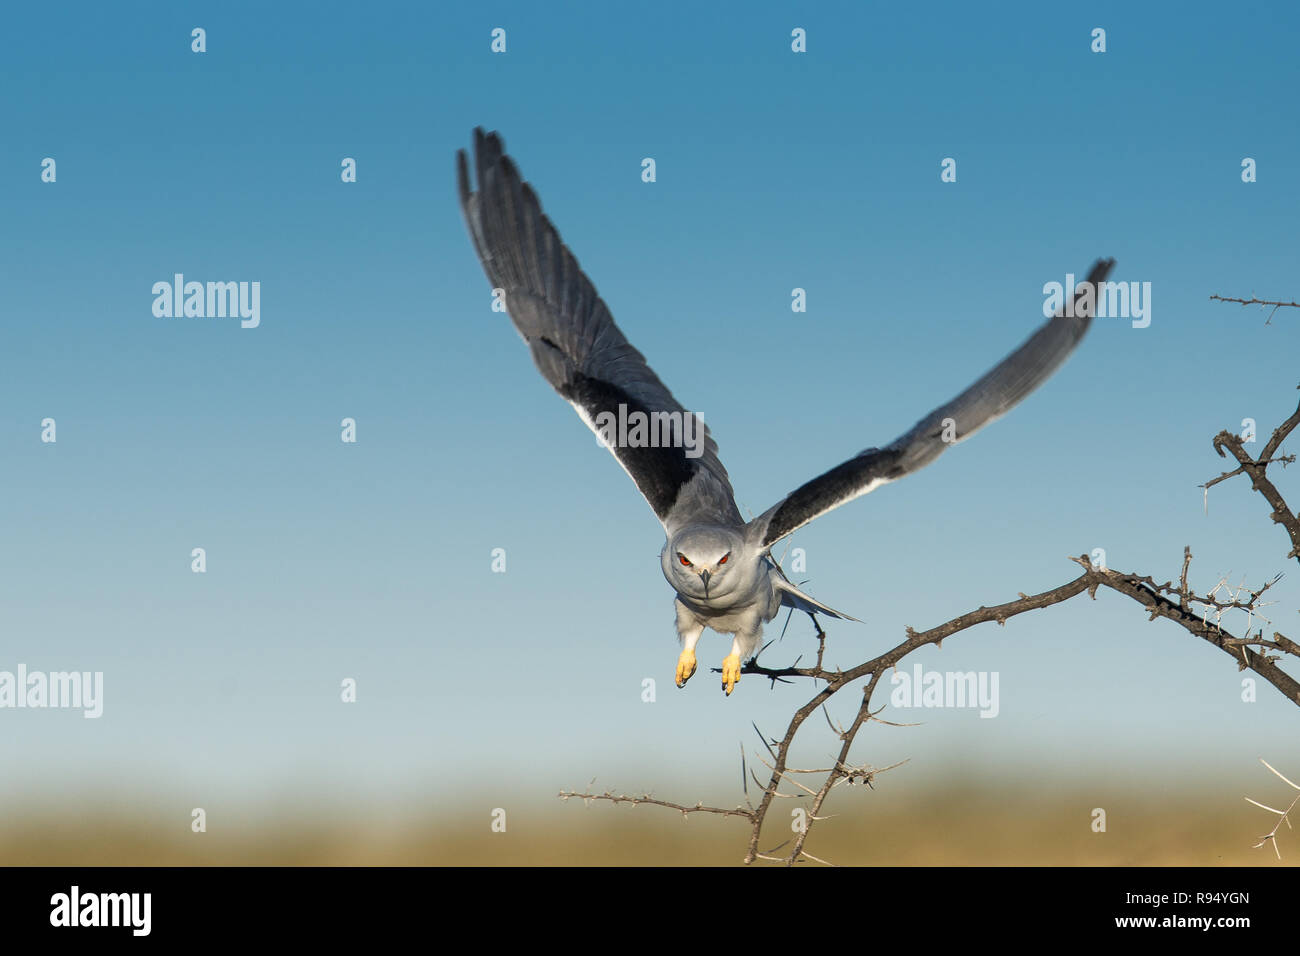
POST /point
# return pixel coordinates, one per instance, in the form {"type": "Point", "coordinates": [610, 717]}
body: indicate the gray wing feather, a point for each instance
{"type": "Point", "coordinates": [574, 341]}
{"type": "Point", "coordinates": [987, 400]}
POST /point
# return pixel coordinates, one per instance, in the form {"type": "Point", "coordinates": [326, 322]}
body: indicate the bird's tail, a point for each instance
{"type": "Point", "coordinates": [791, 596]}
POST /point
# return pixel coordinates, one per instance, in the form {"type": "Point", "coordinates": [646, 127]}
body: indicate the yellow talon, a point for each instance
{"type": "Point", "coordinates": [730, 672]}
{"type": "Point", "coordinates": [685, 667]}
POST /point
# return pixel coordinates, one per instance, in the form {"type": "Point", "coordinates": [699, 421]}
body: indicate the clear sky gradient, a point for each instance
{"type": "Point", "coordinates": [775, 170]}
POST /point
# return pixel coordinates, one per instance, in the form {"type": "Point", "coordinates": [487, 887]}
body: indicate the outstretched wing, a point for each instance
{"type": "Point", "coordinates": [987, 400]}
{"type": "Point", "coordinates": [579, 349]}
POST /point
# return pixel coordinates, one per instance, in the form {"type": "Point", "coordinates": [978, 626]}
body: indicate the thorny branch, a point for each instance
{"type": "Point", "coordinates": [645, 798]}
{"type": "Point", "coordinates": [1201, 615]}
{"type": "Point", "coordinates": [1283, 816]}
{"type": "Point", "coordinates": [1253, 301]}
{"type": "Point", "coordinates": [1255, 468]}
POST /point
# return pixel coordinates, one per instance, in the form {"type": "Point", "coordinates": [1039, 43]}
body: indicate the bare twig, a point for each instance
{"type": "Point", "coordinates": [1256, 468]}
{"type": "Point", "coordinates": [647, 799]}
{"type": "Point", "coordinates": [1283, 816]}
{"type": "Point", "coordinates": [1253, 301]}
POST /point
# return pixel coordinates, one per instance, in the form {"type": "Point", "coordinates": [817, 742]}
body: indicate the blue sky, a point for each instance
{"type": "Point", "coordinates": [774, 171]}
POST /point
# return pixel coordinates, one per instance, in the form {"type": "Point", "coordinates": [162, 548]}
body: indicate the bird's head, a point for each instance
{"type": "Point", "coordinates": [702, 563]}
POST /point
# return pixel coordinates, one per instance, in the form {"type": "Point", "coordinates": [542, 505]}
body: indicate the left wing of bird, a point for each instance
{"type": "Point", "coordinates": [1009, 382]}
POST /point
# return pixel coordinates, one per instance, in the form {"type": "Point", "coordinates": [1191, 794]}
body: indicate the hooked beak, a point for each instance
{"type": "Point", "coordinates": [704, 576]}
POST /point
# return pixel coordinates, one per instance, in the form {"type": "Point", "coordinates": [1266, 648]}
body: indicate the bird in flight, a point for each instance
{"type": "Point", "coordinates": [719, 565]}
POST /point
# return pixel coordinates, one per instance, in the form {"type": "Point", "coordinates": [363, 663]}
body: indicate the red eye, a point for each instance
{"type": "Point", "coordinates": [681, 557]}
{"type": "Point", "coordinates": [724, 558]}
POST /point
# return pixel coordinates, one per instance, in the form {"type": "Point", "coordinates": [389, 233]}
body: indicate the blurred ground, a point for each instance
{"type": "Point", "coordinates": [974, 825]}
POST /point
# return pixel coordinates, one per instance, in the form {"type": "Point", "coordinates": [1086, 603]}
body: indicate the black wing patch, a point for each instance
{"type": "Point", "coordinates": [659, 473]}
